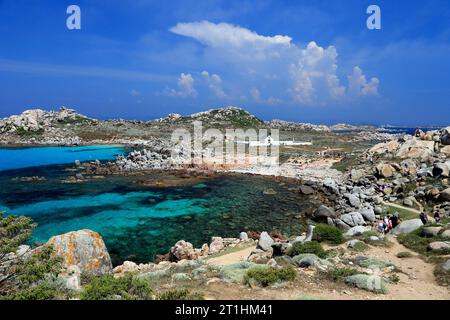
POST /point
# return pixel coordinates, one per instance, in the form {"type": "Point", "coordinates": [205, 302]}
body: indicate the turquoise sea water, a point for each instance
{"type": "Point", "coordinates": [15, 158]}
{"type": "Point", "coordinates": [138, 222]}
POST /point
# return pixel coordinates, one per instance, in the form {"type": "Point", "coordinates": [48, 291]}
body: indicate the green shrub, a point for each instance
{"type": "Point", "coordinates": [32, 276]}
{"type": "Point", "coordinates": [107, 287]}
{"type": "Point", "coordinates": [236, 272]}
{"type": "Point", "coordinates": [393, 278]}
{"type": "Point", "coordinates": [414, 242]}
{"type": "Point", "coordinates": [327, 233]}
{"type": "Point", "coordinates": [339, 274]}
{"type": "Point", "coordinates": [266, 277]}
{"type": "Point", "coordinates": [307, 247]}
{"type": "Point", "coordinates": [404, 254]}
{"type": "Point", "coordinates": [179, 294]}
{"type": "Point", "coordinates": [360, 247]}
{"type": "Point", "coordinates": [46, 290]}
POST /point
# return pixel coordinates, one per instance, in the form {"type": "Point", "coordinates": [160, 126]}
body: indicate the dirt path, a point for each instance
{"type": "Point", "coordinates": [231, 258]}
{"type": "Point", "coordinates": [417, 281]}
{"type": "Point", "coordinates": [402, 207]}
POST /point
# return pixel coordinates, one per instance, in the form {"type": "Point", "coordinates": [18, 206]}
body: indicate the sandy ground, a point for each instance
{"type": "Point", "coordinates": [417, 281]}
{"type": "Point", "coordinates": [231, 258]}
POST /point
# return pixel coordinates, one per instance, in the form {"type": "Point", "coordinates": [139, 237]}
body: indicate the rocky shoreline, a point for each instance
{"type": "Point", "coordinates": [411, 171]}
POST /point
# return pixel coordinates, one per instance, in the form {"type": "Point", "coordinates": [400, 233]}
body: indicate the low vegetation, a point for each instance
{"type": "Point", "coordinates": [340, 274]}
{"type": "Point", "coordinates": [404, 254]}
{"type": "Point", "coordinates": [327, 233]}
{"type": "Point", "coordinates": [179, 294]}
{"type": "Point", "coordinates": [380, 242]}
{"type": "Point", "coordinates": [442, 276]}
{"type": "Point", "coordinates": [416, 242]}
{"type": "Point", "coordinates": [403, 213]}
{"type": "Point", "coordinates": [29, 133]}
{"type": "Point", "coordinates": [31, 275]}
{"type": "Point", "coordinates": [107, 287]}
{"type": "Point", "coordinates": [308, 247]}
{"type": "Point", "coordinates": [360, 247]}
{"type": "Point", "coordinates": [267, 277]}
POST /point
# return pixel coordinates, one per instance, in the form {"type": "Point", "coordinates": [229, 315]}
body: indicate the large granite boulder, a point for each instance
{"type": "Point", "coordinates": [353, 219]}
{"type": "Point", "coordinates": [416, 148]}
{"type": "Point", "coordinates": [388, 147]}
{"type": "Point", "coordinates": [439, 246]}
{"type": "Point", "coordinates": [385, 170]}
{"type": "Point", "coordinates": [441, 169]}
{"type": "Point", "coordinates": [368, 213]}
{"type": "Point", "coordinates": [407, 226]}
{"type": "Point", "coordinates": [445, 194]}
{"type": "Point", "coordinates": [216, 245]}
{"type": "Point", "coordinates": [356, 231]}
{"type": "Point", "coordinates": [265, 242]}
{"type": "Point", "coordinates": [408, 167]}
{"type": "Point", "coordinates": [183, 250]}
{"type": "Point", "coordinates": [324, 212]}
{"type": "Point", "coordinates": [84, 249]}
{"type": "Point", "coordinates": [445, 136]}
{"type": "Point", "coordinates": [353, 200]}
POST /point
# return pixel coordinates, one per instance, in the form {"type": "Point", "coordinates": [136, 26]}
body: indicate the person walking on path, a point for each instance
{"type": "Point", "coordinates": [423, 216]}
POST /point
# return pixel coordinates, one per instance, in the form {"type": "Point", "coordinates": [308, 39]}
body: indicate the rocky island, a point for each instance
{"type": "Point", "coordinates": [322, 203]}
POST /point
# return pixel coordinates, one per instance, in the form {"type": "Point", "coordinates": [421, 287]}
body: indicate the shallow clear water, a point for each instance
{"type": "Point", "coordinates": [15, 158]}
{"type": "Point", "coordinates": [139, 222]}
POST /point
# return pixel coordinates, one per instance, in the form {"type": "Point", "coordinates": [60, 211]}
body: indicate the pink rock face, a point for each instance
{"type": "Point", "coordinates": [84, 249]}
{"type": "Point", "coordinates": [183, 250]}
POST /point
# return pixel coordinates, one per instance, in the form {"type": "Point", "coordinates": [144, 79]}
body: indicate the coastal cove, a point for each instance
{"type": "Point", "coordinates": [16, 158]}
{"type": "Point", "coordinates": [139, 221]}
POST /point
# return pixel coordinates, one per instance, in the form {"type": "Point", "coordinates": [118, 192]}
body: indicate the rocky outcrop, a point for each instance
{"type": "Point", "coordinates": [84, 249]}
{"type": "Point", "coordinates": [265, 242]}
{"type": "Point", "coordinates": [37, 119]}
{"type": "Point", "coordinates": [408, 226]}
{"type": "Point", "coordinates": [183, 250]}
{"type": "Point", "coordinates": [445, 136]}
{"type": "Point", "coordinates": [385, 170]}
{"type": "Point", "coordinates": [324, 212]}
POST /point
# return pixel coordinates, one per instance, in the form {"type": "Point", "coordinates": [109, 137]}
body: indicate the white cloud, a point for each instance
{"type": "Point", "coordinates": [255, 94]}
{"type": "Point", "coordinates": [134, 93]}
{"type": "Point", "coordinates": [288, 72]}
{"type": "Point", "coordinates": [185, 87]}
{"type": "Point", "coordinates": [225, 34]}
{"type": "Point", "coordinates": [214, 83]}
{"type": "Point", "coordinates": [314, 74]}
{"type": "Point", "coordinates": [358, 85]}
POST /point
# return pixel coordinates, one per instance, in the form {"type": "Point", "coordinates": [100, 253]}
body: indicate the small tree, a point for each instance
{"type": "Point", "coordinates": [29, 276]}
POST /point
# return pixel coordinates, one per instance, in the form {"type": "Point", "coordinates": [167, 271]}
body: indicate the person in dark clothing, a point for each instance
{"type": "Point", "coordinates": [437, 216]}
{"type": "Point", "coordinates": [423, 216]}
{"type": "Point", "coordinates": [394, 220]}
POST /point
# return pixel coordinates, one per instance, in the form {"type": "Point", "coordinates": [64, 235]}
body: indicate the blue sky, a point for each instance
{"type": "Point", "coordinates": [310, 61]}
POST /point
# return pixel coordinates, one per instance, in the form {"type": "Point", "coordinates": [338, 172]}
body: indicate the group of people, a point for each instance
{"type": "Point", "coordinates": [424, 217]}
{"type": "Point", "coordinates": [388, 223]}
